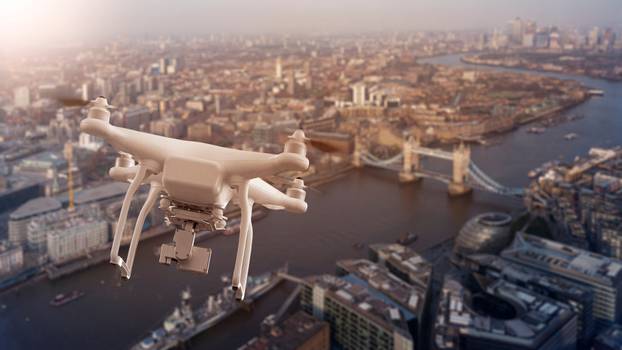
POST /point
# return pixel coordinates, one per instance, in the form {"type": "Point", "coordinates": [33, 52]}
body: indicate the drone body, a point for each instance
{"type": "Point", "coordinates": [195, 182]}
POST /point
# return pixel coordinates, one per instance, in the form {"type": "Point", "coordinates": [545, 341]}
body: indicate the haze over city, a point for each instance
{"type": "Point", "coordinates": [311, 175]}
{"type": "Point", "coordinates": [50, 22]}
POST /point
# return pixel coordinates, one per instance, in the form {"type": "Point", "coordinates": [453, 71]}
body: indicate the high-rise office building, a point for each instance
{"type": "Point", "coordinates": [291, 82]}
{"type": "Point", "coordinates": [278, 69]}
{"type": "Point", "coordinates": [601, 274]}
{"type": "Point", "coordinates": [360, 317]}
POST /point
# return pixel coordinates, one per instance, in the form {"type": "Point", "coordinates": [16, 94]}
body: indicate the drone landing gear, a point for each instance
{"type": "Point", "coordinates": [183, 251]}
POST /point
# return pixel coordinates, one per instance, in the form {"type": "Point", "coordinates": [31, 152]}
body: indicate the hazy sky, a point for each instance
{"type": "Point", "coordinates": [30, 21]}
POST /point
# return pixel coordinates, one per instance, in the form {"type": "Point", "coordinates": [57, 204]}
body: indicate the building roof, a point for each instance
{"type": "Point", "coordinates": [514, 315]}
{"type": "Point", "coordinates": [409, 296]}
{"type": "Point", "coordinates": [359, 297]}
{"type": "Point", "coordinates": [99, 193]}
{"type": "Point", "coordinates": [611, 338]}
{"type": "Point", "coordinates": [35, 207]}
{"type": "Point", "coordinates": [564, 259]}
{"type": "Point", "coordinates": [407, 260]}
{"type": "Point", "coordinates": [292, 333]}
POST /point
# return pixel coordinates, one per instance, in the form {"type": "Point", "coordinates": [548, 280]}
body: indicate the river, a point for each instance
{"type": "Point", "coordinates": [365, 206]}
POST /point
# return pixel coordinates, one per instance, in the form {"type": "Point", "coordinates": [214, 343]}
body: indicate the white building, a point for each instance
{"type": "Point", "coordinates": [359, 97]}
{"type": "Point", "coordinates": [11, 257]}
{"type": "Point", "coordinates": [21, 97]}
{"type": "Point", "coordinates": [19, 219]}
{"type": "Point", "coordinates": [82, 236]}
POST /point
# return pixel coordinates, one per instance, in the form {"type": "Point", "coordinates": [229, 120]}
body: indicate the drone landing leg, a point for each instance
{"type": "Point", "coordinates": [245, 216]}
{"type": "Point", "coordinates": [239, 294]}
{"type": "Point", "coordinates": [118, 232]}
{"type": "Point", "coordinates": [154, 191]}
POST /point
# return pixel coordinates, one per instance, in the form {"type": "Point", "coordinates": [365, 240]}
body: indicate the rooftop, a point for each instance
{"type": "Point", "coordinates": [564, 259]}
{"type": "Point", "coordinates": [34, 207]}
{"type": "Point", "coordinates": [363, 299]}
{"type": "Point", "coordinates": [290, 334]}
{"type": "Point", "coordinates": [503, 312]}
{"type": "Point", "coordinates": [611, 338]}
{"type": "Point", "coordinates": [405, 259]}
{"type": "Point", "coordinates": [409, 296]}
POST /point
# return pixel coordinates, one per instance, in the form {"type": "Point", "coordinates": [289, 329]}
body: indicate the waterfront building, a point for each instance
{"type": "Point", "coordinates": [411, 297]}
{"type": "Point", "coordinates": [360, 317]}
{"type": "Point", "coordinates": [500, 315]}
{"type": "Point", "coordinates": [584, 199]}
{"type": "Point", "coordinates": [11, 257]}
{"type": "Point", "coordinates": [19, 219]}
{"type": "Point", "coordinates": [486, 233]}
{"type": "Point", "coordinates": [601, 274]}
{"type": "Point", "coordinates": [403, 262]}
{"type": "Point", "coordinates": [66, 234]}
{"type": "Point", "coordinates": [300, 331]}
{"type": "Point", "coordinates": [578, 296]}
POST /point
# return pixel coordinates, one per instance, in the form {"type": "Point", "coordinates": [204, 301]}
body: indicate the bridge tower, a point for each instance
{"type": "Point", "coordinates": [461, 161]}
{"type": "Point", "coordinates": [411, 160]}
{"type": "Point", "coordinates": [356, 155]}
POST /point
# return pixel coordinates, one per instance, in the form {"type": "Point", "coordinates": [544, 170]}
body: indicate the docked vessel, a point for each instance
{"type": "Point", "coordinates": [184, 322]}
{"type": "Point", "coordinates": [62, 299]}
{"type": "Point", "coordinates": [407, 238]}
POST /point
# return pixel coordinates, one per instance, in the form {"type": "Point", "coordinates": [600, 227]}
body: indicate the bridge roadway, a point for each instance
{"type": "Point", "coordinates": [477, 178]}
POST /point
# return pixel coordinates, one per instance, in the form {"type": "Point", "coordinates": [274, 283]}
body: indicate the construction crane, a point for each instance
{"type": "Point", "coordinates": [69, 156]}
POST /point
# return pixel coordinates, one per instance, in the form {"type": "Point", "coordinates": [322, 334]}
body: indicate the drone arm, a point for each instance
{"type": "Point", "coordinates": [154, 191]}
{"type": "Point", "coordinates": [267, 195]}
{"type": "Point", "coordinates": [125, 207]}
{"type": "Point", "coordinates": [243, 170]}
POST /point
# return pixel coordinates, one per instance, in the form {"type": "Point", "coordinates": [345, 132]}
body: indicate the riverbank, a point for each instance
{"type": "Point", "coordinates": [534, 67]}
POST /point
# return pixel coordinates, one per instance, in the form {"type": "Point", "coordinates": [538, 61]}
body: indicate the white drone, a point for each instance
{"type": "Point", "coordinates": [195, 182]}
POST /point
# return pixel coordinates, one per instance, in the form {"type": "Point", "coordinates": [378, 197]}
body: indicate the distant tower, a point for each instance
{"type": "Point", "coordinates": [308, 78]}
{"type": "Point", "coordinates": [358, 94]}
{"type": "Point", "coordinates": [278, 69]}
{"type": "Point", "coordinates": [217, 103]}
{"type": "Point", "coordinates": [291, 82]}
{"type": "Point", "coordinates": [87, 92]}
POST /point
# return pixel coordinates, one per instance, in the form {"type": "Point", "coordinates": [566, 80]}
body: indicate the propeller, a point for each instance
{"type": "Point", "coordinates": [322, 146]}
{"type": "Point", "coordinates": [281, 180]}
{"type": "Point", "coordinates": [78, 102]}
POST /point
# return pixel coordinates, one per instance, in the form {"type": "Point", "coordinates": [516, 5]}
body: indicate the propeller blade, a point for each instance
{"type": "Point", "coordinates": [72, 102]}
{"type": "Point", "coordinates": [323, 146]}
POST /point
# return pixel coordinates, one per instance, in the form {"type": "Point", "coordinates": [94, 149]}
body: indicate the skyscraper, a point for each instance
{"type": "Point", "coordinates": [278, 74]}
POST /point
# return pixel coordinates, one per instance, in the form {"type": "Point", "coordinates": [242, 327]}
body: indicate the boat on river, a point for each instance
{"type": "Point", "coordinates": [185, 322]}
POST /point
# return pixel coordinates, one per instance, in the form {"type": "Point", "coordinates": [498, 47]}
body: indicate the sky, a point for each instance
{"type": "Point", "coordinates": [43, 21]}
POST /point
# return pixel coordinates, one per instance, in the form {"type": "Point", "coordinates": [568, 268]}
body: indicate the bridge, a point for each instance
{"type": "Point", "coordinates": [465, 176]}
